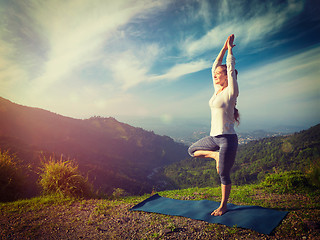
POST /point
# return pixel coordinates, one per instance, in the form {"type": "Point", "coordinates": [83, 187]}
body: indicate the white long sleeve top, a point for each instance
{"type": "Point", "coordinates": [222, 104]}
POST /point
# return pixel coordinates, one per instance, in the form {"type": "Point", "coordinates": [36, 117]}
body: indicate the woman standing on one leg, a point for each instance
{"type": "Point", "coordinates": [222, 143]}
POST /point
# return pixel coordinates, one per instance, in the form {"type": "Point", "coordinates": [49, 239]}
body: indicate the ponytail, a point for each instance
{"type": "Point", "coordinates": [236, 115]}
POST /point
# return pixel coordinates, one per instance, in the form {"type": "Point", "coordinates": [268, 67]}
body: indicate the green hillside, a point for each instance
{"type": "Point", "coordinates": [282, 173]}
{"type": "Point", "coordinates": [52, 217]}
{"type": "Point", "coordinates": [256, 159]}
{"type": "Point", "coordinates": [112, 154]}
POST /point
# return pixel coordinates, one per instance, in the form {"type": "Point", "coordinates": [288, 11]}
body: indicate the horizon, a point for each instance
{"type": "Point", "coordinates": [189, 130]}
{"type": "Point", "coordinates": [143, 60]}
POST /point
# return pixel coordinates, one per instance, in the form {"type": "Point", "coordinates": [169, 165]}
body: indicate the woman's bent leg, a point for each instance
{"type": "Point", "coordinates": [208, 154]}
{"type": "Point", "coordinates": [205, 148]}
{"type": "Point", "coordinates": [204, 144]}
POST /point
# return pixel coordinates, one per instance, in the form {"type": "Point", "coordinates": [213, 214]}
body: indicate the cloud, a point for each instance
{"type": "Point", "coordinates": [93, 57]}
{"type": "Point", "coordinates": [197, 10]}
{"type": "Point", "coordinates": [182, 69]}
{"type": "Point", "coordinates": [69, 34]}
{"type": "Point", "coordinates": [250, 22]}
{"type": "Point", "coordinates": [82, 39]}
{"type": "Point", "coordinates": [131, 68]}
{"type": "Point", "coordinates": [205, 11]}
{"type": "Point", "coordinates": [128, 71]}
{"type": "Point", "coordinates": [12, 76]}
{"type": "Point", "coordinates": [282, 91]}
{"type": "Point", "coordinates": [285, 89]}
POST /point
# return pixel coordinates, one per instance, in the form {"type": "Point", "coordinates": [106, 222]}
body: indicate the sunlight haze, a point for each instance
{"type": "Point", "coordinates": [152, 59]}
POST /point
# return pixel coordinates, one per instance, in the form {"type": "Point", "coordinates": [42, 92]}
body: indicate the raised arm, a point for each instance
{"type": "Point", "coordinates": [232, 77]}
{"type": "Point", "coordinates": [223, 51]}
{"type": "Point", "coordinates": [218, 62]}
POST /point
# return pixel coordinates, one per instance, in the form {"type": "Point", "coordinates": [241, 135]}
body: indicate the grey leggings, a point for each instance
{"type": "Point", "coordinates": [227, 145]}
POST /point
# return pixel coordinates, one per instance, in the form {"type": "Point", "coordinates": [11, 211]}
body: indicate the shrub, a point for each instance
{"type": "Point", "coordinates": [11, 177]}
{"type": "Point", "coordinates": [62, 177]}
{"type": "Point", "coordinates": [287, 182]}
{"type": "Point", "coordinates": [314, 174]}
{"type": "Point", "coordinates": [119, 192]}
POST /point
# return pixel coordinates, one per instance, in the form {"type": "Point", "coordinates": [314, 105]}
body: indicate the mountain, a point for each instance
{"type": "Point", "coordinates": [112, 154]}
{"type": "Point", "coordinates": [299, 151]}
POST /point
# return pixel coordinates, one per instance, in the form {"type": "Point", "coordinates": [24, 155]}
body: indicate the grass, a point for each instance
{"type": "Point", "coordinates": [100, 218]}
{"type": "Point", "coordinates": [35, 204]}
{"type": "Point", "coordinates": [63, 177]}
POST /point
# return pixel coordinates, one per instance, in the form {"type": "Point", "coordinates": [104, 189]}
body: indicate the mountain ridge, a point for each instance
{"type": "Point", "coordinates": [112, 153]}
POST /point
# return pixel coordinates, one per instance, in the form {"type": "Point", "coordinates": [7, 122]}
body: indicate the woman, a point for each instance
{"type": "Point", "coordinates": [222, 143]}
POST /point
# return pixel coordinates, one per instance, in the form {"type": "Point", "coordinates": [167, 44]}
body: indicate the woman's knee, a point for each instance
{"type": "Point", "coordinates": [225, 178]}
{"type": "Point", "coordinates": [224, 173]}
{"type": "Point", "coordinates": [224, 170]}
{"type": "Point", "coordinates": [191, 151]}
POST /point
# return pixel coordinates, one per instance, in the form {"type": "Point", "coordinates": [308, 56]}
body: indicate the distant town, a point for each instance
{"type": "Point", "coordinates": [243, 138]}
{"type": "Point", "coordinates": [188, 131]}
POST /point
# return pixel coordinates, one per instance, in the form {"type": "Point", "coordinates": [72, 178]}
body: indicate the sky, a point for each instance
{"type": "Point", "coordinates": [150, 61]}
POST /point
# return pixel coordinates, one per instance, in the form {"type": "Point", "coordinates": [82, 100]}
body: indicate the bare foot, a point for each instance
{"type": "Point", "coordinates": [219, 211]}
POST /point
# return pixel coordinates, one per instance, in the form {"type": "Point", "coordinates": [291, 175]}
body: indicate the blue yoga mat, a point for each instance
{"type": "Point", "coordinates": [257, 218]}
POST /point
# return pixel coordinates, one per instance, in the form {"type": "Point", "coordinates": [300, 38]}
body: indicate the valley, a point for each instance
{"type": "Point", "coordinates": [115, 155]}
